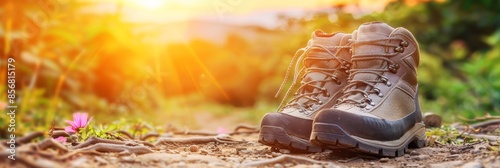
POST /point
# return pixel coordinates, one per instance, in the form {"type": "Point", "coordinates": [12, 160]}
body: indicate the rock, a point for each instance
{"type": "Point", "coordinates": [316, 166]}
{"type": "Point", "coordinates": [79, 162]}
{"type": "Point", "coordinates": [432, 120]}
{"type": "Point", "coordinates": [285, 151]}
{"type": "Point", "coordinates": [100, 160]}
{"type": "Point", "coordinates": [181, 165]}
{"type": "Point", "coordinates": [475, 151]}
{"type": "Point", "coordinates": [472, 165]}
{"type": "Point", "coordinates": [453, 156]}
{"type": "Point", "coordinates": [127, 159]}
{"type": "Point", "coordinates": [421, 157]}
{"type": "Point", "coordinates": [454, 151]}
{"type": "Point", "coordinates": [384, 160]}
{"type": "Point", "coordinates": [203, 151]}
{"type": "Point", "coordinates": [277, 165]}
{"type": "Point", "coordinates": [216, 164]}
{"type": "Point", "coordinates": [194, 148]}
{"type": "Point", "coordinates": [413, 165]}
{"type": "Point", "coordinates": [449, 164]}
{"type": "Point", "coordinates": [414, 153]}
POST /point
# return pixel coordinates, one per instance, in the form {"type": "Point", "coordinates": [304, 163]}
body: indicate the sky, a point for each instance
{"type": "Point", "coordinates": [250, 12]}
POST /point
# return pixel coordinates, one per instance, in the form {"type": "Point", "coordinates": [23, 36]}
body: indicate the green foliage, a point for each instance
{"type": "Point", "coordinates": [106, 132]}
{"type": "Point", "coordinates": [448, 135]}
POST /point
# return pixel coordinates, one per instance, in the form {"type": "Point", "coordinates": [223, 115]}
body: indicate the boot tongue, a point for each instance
{"type": "Point", "coordinates": [319, 38]}
{"type": "Point", "coordinates": [368, 32]}
{"type": "Point", "coordinates": [312, 59]}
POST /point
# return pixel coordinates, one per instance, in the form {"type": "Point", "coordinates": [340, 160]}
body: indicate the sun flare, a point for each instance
{"type": "Point", "coordinates": [150, 4]}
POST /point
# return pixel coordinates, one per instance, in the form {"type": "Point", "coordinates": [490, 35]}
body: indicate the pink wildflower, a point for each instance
{"type": "Point", "coordinates": [80, 120]}
{"type": "Point", "coordinates": [61, 139]}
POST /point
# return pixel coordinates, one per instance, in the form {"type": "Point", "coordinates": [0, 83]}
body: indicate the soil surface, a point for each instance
{"type": "Point", "coordinates": [241, 149]}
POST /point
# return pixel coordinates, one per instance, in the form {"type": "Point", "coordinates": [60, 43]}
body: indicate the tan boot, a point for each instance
{"type": "Point", "coordinates": [379, 112]}
{"type": "Point", "coordinates": [326, 61]}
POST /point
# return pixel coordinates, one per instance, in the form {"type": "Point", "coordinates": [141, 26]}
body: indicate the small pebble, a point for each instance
{"type": "Point", "coordinates": [127, 159]}
{"type": "Point", "coordinates": [447, 164]}
{"type": "Point", "coordinates": [421, 157]}
{"type": "Point", "coordinates": [277, 165]}
{"type": "Point", "coordinates": [414, 153]}
{"type": "Point", "coordinates": [181, 164]}
{"type": "Point", "coordinates": [453, 156]}
{"type": "Point", "coordinates": [203, 151]}
{"type": "Point", "coordinates": [193, 148]}
{"type": "Point", "coordinates": [384, 160]}
{"type": "Point", "coordinates": [475, 151]}
{"type": "Point", "coordinates": [285, 151]}
{"type": "Point", "coordinates": [454, 152]}
{"type": "Point", "coordinates": [316, 166]}
{"type": "Point", "coordinates": [472, 165]}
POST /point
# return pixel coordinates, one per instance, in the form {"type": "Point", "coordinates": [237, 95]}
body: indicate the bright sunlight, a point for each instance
{"type": "Point", "coordinates": [150, 4]}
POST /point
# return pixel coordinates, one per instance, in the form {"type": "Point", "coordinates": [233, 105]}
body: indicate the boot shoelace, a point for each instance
{"type": "Point", "coordinates": [353, 85]}
{"type": "Point", "coordinates": [330, 72]}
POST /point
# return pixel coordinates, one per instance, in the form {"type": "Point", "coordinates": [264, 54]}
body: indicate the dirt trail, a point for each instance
{"type": "Point", "coordinates": [239, 151]}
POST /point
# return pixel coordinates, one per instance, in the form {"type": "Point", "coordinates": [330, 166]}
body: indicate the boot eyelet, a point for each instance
{"type": "Point", "coordinates": [362, 105]}
{"type": "Point", "coordinates": [394, 68]}
{"type": "Point", "coordinates": [399, 49]}
{"type": "Point", "coordinates": [380, 95]}
{"type": "Point", "coordinates": [320, 102]}
{"type": "Point", "coordinates": [338, 82]}
{"type": "Point", "coordinates": [404, 43]}
{"type": "Point", "coordinates": [388, 84]}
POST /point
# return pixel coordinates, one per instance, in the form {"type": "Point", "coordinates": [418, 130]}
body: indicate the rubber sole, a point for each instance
{"type": "Point", "coordinates": [277, 137]}
{"type": "Point", "coordinates": [334, 137]}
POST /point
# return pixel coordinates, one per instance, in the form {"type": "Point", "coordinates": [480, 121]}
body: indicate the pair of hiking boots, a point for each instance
{"type": "Point", "coordinates": [358, 93]}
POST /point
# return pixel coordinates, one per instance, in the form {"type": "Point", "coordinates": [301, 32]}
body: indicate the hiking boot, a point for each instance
{"type": "Point", "coordinates": [326, 61]}
{"type": "Point", "coordinates": [379, 111]}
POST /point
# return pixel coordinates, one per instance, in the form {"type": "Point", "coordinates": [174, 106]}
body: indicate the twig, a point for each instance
{"type": "Point", "coordinates": [107, 147]}
{"type": "Point", "coordinates": [189, 132]}
{"type": "Point", "coordinates": [485, 123]}
{"type": "Point", "coordinates": [150, 135]}
{"type": "Point", "coordinates": [29, 137]}
{"type": "Point", "coordinates": [250, 129]}
{"type": "Point", "coordinates": [283, 158]}
{"type": "Point", "coordinates": [58, 133]}
{"type": "Point", "coordinates": [95, 140]}
{"type": "Point", "coordinates": [51, 143]}
{"type": "Point", "coordinates": [75, 152]}
{"type": "Point", "coordinates": [488, 116]}
{"type": "Point", "coordinates": [481, 136]}
{"type": "Point", "coordinates": [127, 134]}
{"type": "Point", "coordinates": [221, 138]}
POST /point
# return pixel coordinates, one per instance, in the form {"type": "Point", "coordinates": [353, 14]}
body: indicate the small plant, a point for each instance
{"type": "Point", "coordinates": [448, 135]}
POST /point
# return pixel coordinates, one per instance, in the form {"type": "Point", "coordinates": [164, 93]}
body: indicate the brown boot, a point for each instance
{"type": "Point", "coordinates": [379, 112]}
{"type": "Point", "coordinates": [326, 61]}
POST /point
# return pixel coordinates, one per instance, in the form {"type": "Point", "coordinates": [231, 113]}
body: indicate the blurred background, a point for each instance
{"type": "Point", "coordinates": [212, 63]}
